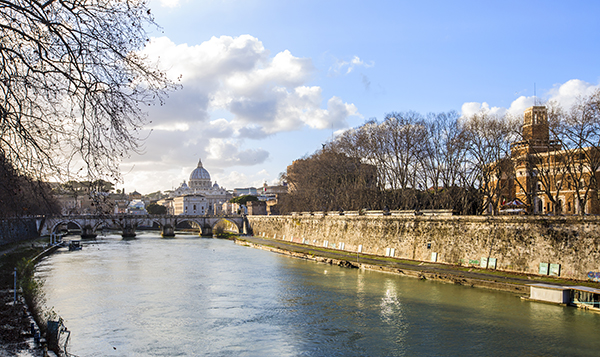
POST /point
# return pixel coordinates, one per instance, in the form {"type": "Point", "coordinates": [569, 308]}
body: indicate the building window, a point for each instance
{"type": "Point", "coordinates": [194, 207]}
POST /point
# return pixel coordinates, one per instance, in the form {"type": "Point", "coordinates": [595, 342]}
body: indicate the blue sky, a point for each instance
{"type": "Point", "coordinates": [266, 82]}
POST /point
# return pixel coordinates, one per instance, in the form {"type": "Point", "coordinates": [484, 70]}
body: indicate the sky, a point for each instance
{"type": "Point", "coordinates": [266, 82]}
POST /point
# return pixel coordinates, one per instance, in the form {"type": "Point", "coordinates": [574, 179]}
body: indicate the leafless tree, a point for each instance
{"type": "Point", "coordinates": [73, 85]}
{"type": "Point", "coordinates": [23, 196]}
{"type": "Point", "coordinates": [488, 139]}
{"type": "Point", "coordinates": [445, 166]}
{"type": "Point", "coordinates": [581, 142]}
{"type": "Point", "coordinates": [420, 162]}
{"type": "Point", "coordinates": [328, 180]}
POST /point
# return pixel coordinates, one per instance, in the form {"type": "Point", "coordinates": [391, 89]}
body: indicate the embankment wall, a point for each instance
{"type": "Point", "coordinates": [19, 229]}
{"type": "Point", "coordinates": [517, 243]}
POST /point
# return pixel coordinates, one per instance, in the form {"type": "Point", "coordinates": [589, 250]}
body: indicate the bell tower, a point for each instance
{"type": "Point", "coordinates": [535, 125]}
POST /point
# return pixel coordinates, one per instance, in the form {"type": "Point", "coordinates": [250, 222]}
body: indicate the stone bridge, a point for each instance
{"type": "Point", "coordinates": [127, 224]}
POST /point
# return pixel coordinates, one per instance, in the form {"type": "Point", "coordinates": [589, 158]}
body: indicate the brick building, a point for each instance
{"type": "Point", "coordinates": [541, 177]}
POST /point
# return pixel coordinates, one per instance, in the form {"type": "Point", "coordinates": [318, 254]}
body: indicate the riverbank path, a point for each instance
{"type": "Point", "coordinates": [473, 276]}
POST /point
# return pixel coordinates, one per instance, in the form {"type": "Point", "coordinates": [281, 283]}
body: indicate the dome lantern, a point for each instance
{"type": "Point", "coordinates": [200, 178]}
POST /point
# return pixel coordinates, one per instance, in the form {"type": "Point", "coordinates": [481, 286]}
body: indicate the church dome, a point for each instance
{"type": "Point", "coordinates": [199, 173]}
{"type": "Point", "coordinates": [200, 178]}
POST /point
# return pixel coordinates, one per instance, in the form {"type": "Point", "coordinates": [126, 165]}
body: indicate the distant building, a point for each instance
{"type": "Point", "coordinates": [267, 193]}
{"type": "Point", "coordinates": [271, 195]}
{"type": "Point", "coordinates": [257, 208]}
{"type": "Point", "coordinates": [121, 206]}
{"type": "Point", "coordinates": [229, 208]}
{"type": "Point", "coordinates": [273, 207]}
{"type": "Point", "coordinates": [541, 178]}
{"type": "Point", "coordinates": [168, 203]}
{"type": "Point", "coordinates": [136, 207]}
{"type": "Point", "coordinates": [245, 191]}
{"type": "Point", "coordinates": [70, 203]}
{"type": "Point", "coordinates": [135, 196]}
{"type": "Point", "coordinates": [199, 185]}
{"type": "Point", "coordinates": [192, 204]}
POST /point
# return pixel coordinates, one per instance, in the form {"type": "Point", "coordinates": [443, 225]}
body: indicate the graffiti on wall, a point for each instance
{"type": "Point", "coordinates": [594, 276]}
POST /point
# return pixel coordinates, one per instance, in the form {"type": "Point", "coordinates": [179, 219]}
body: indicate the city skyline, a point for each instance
{"type": "Point", "coordinates": [265, 82]}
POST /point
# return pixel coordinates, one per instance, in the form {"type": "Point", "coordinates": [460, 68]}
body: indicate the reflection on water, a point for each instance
{"type": "Point", "coordinates": [193, 296]}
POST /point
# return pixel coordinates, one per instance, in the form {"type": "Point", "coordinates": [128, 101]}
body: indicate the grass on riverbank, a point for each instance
{"type": "Point", "coordinates": [226, 235]}
{"type": "Point", "coordinates": [15, 328]}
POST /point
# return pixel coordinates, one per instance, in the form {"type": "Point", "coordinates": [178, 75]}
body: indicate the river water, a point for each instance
{"type": "Point", "coordinates": [192, 296]}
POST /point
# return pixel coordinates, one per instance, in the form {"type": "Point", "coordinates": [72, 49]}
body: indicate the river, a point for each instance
{"type": "Point", "coordinates": [192, 296]}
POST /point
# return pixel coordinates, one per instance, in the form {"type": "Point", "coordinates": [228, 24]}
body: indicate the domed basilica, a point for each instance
{"type": "Point", "coordinates": [200, 196]}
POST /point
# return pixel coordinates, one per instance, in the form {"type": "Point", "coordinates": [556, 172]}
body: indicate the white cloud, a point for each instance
{"type": "Point", "coordinates": [518, 106]}
{"type": "Point", "coordinates": [346, 67]}
{"type": "Point", "coordinates": [334, 116]}
{"type": "Point", "coordinates": [223, 152]}
{"type": "Point", "coordinates": [234, 179]}
{"type": "Point", "coordinates": [471, 108]}
{"type": "Point", "coordinates": [264, 94]}
{"type": "Point", "coordinates": [565, 94]}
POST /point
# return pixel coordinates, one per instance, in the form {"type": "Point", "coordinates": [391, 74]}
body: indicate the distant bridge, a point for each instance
{"type": "Point", "coordinates": [127, 224]}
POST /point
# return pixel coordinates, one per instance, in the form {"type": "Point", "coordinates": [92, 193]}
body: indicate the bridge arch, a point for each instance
{"type": "Point", "coordinates": [228, 225]}
{"type": "Point", "coordinates": [66, 222]}
{"type": "Point", "coordinates": [199, 224]}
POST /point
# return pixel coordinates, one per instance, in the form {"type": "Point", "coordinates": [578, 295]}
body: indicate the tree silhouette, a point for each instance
{"type": "Point", "coordinates": [73, 84]}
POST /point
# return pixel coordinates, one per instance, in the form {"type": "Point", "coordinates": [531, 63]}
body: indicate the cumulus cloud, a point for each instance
{"type": "Point", "coordinates": [230, 153]}
{"type": "Point", "coordinates": [334, 116]}
{"type": "Point", "coordinates": [264, 94]}
{"type": "Point", "coordinates": [471, 108]}
{"type": "Point", "coordinates": [565, 94]}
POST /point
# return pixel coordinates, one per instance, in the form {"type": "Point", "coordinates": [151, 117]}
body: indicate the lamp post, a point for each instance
{"type": "Point", "coordinates": [15, 292]}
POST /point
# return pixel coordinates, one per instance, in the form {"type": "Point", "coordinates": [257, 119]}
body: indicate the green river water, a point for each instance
{"type": "Point", "coordinates": [192, 296]}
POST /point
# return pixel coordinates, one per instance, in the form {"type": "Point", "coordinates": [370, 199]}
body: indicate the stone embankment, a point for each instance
{"type": "Point", "coordinates": [515, 283]}
{"type": "Point", "coordinates": [568, 247]}
{"type": "Point", "coordinates": [19, 229]}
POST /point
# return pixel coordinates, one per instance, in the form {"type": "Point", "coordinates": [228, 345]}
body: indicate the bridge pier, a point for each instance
{"type": "Point", "coordinates": [246, 229]}
{"type": "Point", "coordinates": [168, 231]}
{"type": "Point", "coordinates": [128, 231]}
{"type": "Point", "coordinates": [206, 231]}
{"type": "Point", "coordinates": [87, 231]}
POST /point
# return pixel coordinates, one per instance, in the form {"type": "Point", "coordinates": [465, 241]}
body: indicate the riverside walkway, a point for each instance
{"type": "Point", "coordinates": [467, 276]}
